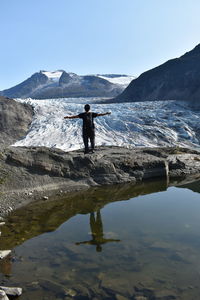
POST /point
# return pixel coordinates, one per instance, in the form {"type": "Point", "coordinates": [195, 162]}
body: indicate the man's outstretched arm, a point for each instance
{"type": "Point", "coordinates": [71, 117]}
{"type": "Point", "coordinates": [103, 114]}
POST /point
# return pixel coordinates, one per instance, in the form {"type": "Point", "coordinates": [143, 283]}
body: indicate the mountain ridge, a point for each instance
{"type": "Point", "coordinates": [61, 84]}
{"type": "Point", "coordinates": [176, 79]}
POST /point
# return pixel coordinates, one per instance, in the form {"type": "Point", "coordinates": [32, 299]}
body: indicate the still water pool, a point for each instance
{"type": "Point", "coordinates": [121, 242]}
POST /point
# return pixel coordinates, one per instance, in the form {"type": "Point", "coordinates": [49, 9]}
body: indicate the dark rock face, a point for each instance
{"type": "Point", "coordinates": [65, 78]}
{"type": "Point", "coordinates": [39, 86]}
{"type": "Point", "coordinates": [177, 79]}
{"type": "Point", "coordinates": [15, 119]}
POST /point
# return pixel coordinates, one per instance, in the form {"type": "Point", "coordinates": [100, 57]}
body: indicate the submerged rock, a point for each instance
{"type": "Point", "coordinates": [3, 295]}
{"type": "Point", "coordinates": [120, 297]}
{"type": "Point", "coordinates": [165, 295]}
{"type": "Point", "coordinates": [11, 291]}
{"type": "Point", "coordinates": [52, 286]}
{"type": "Point", "coordinates": [140, 298]}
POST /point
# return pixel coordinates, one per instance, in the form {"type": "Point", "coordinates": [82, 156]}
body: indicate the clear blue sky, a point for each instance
{"type": "Point", "coordinates": [93, 36]}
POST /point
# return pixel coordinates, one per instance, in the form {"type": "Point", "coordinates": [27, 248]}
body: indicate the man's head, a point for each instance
{"type": "Point", "coordinates": [87, 107]}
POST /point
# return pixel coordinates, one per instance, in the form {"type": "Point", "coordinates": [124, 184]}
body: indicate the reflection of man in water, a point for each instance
{"type": "Point", "coordinates": [96, 226]}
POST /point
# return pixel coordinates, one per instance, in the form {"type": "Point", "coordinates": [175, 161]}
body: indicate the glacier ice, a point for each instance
{"type": "Point", "coordinates": [139, 124]}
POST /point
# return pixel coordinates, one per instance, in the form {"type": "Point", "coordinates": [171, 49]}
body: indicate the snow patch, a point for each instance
{"type": "Point", "coordinates": [122, 80]}
{"type": "Point", "coordinates": [53, 75]}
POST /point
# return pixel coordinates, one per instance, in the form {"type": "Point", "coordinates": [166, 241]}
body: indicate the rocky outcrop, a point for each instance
{"type": "Point", "coordinates": [15, 119]}
{"type": "Point", "coordinates": [177, 79]}
{"type": "Point", "coordinates": [29, 170]}
{"type": "Point", "coordinates": [106, 166]}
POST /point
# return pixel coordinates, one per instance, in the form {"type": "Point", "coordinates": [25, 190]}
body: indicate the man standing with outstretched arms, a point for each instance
{"type": "Point", "coordinates": [88, 126]}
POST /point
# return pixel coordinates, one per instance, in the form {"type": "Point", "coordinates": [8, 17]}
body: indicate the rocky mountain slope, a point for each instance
{"type": "Point", "coordinates": [15, 119]}
{"type": "Point", "coordinates": [176, 79]}
{"type": "Point", "coordinates": [60, 84]}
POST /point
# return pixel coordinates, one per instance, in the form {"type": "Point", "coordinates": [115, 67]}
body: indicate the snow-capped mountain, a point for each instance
{"type": "Point", "coordinates": [60, 84]}
{"type": "Point", "coordinates": [139, 124]}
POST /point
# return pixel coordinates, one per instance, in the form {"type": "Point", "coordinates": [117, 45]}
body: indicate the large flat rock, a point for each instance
{"type": "Point", "coordinates": [24, 171]}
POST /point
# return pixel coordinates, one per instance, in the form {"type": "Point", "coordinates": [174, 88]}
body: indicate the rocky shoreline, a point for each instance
{"type": "Point", "coordinates": [29, 174]}
{"type": "Point", "coordinates": [46, 216]}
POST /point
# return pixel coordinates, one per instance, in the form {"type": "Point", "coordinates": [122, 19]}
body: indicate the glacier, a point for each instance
{"type": "Point", "coordinates": [121, 80]}
{"type": "Point", "coordinates": [135, 124]}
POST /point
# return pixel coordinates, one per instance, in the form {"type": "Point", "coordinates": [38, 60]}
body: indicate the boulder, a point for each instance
{"type": "Point", "coordinates": [15, 119]}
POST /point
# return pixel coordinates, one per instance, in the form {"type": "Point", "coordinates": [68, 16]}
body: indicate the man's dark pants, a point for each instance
{"type": "Point", "coordinates": [88, 135]}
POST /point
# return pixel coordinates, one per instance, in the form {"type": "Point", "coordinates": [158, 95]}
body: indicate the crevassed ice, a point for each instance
{"type": "Point", "coordinates": [157, 123]}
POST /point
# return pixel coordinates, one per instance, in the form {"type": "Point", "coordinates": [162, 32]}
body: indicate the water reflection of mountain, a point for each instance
{"type": "Point", "coordinates": [45, 216]}
{"type": "Point", "coordinates": [193, 186]}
